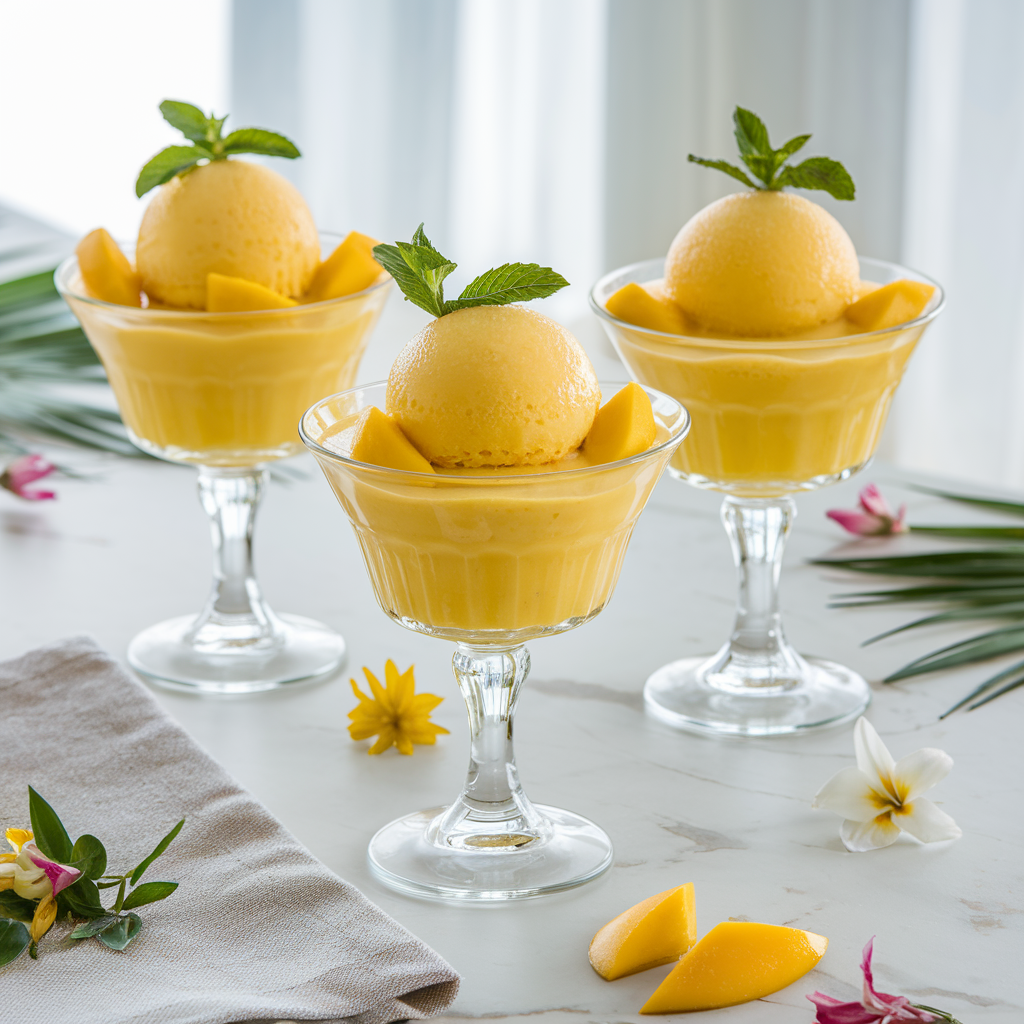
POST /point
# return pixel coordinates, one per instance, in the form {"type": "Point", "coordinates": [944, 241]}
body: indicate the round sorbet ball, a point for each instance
{"type": "Point", "coordinates": [493, 386]}
{"type": "Point", "coordinates": [228, 217]}
{"type": "Point", "coordinates": [758, 264]}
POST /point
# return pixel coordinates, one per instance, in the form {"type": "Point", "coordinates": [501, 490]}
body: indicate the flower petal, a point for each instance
{"type": "Point", "coordinates": [861, 836]}
{"type": "Point", "coordinates": [833, 1011]}
{"type": "Point", "coordinates": [43, 918]}
{"type": "Point", "coordinates": [18, 837]}
{"type": "Point", "coordinates": [873, 503]}
{"type": "Point", "coordinates": [873, 757]}
{"type": "Point", "coordinates": [918, 772]}
{"type": "Point", "coordinates": [924, 821]}
{"type": "Point", "coordinates": [858, 522]}
{"type": "Point", "coordinates": [849, 793]}
{"type": "Point", "coordinates": [60, 875]}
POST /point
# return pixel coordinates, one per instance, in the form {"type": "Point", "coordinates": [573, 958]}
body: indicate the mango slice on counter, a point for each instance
{"type": "Point", "coordinates": [655, 932]}
{"type": "Point", "coordinates": [379, 440]}
{"type": "Point", "coordinates": [892, 304]}
{"type": "Point", "coordinates": [623, 426]}
{"type": "Point", "coordinates": [647, 306]}
{"type": "Point", "coordinates": [105, 270]}
{"type": "Point", "coordinates": [737, 961]}
{"type": "Point", "coordinates": [349, 269]}
{"type": "Point", "coordinates": [236, 295]}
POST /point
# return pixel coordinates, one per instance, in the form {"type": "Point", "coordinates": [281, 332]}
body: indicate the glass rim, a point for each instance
{"type": "Point", "coordinates": [677, 435]}
{"type": "Point", "coordinates": [62, 275]}
{"type": "Point", "coordinates": [769, 343]}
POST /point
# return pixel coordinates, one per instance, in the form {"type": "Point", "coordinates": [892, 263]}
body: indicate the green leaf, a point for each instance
{"type": "Point", "coordinates": [724, 166]}
{"type": "Point", "coordinates": [188, 119]}
{"type": "Point", "coordinates": [977, 648]}
{"type": "Point", "coordinates": [1012, 609]}
{"type": "Point", "coordinates": [91, 928]}
{"type": "Point", "coordinates": [795, 144]}
{"type": "Point", "coordinates": [1012, 685]}
{"type": "Point", "coordinates": [974, 532]}
{"type": "Point", "coordinates": [751, 134]}
{"type": "Point", "coordinates": [259, 140]}
{"type": "Point", "coordinates": [1013, 508]}
{"type": "Point", "coordinates": [419, 237]}
{"type": "Point", "coordinates": [16, 907]}
{"type": "Point", "coordinates": [166, 164]}
{"type": "Point", "coordinates": [511, 282]}
{"type": "Point", "coordinates": [1013, 670]}
{"type": "Point", "coordinates": [83, 898]}
{"type": "Point", "coordinates": [819, 172]}
{"type": "Point", "coordinates": [50, 835]}
{"type": "Point", "coordinates": [120, 932]}
{"type": "Point", "coordinates": [160, 848]}
{"type": "Point", "coordinates": [14, 940]}
{"type": "Point", "coordinates": [89, 856]}
{"type": "Point", "coordinates": [408, 280]}
{"type": "Point", "coordinates": [148, 892]}
{"type": "Point", "coordinates": [429, 265]}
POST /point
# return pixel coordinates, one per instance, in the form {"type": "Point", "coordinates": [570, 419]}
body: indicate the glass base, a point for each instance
{"type": "Point", "coordinates": [684, 695]}
{"type": "Point", "coordinates": [502, 867]}
{"type": "Point", "coordinates": [301, 650]}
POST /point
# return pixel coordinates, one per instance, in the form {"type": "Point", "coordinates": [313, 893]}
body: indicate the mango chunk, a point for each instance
{"type": "Point", "coordinates": [623, 426]}
{"type": "Point", "coordinates": [892, 304]}
{"type": "Point", "coordinates": [737, 961]}
{"type": "Point", "coordinates": [105, 270]}
{"type": "Point", "coordinates": [647, 306]}
{"type": "Point", "coordinates": [236, 295]}
{"type": "Point", "coordinates": [379, 441]}
{"type": "Point", "coordinates": [349, 269]}
{"type": "Point", "coordinates": [655, 932]}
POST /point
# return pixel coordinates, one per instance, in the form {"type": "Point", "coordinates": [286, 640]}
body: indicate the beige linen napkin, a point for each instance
{"type": "Point", "coordinates": [258, 929]}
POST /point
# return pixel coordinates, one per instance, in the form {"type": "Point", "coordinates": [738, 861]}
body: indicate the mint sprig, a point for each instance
{"type": "Point", "coordinates": [208, 143]}
{"type": "Point", "coordinates": [419, 270]}
{"type": "Point", "coordinates": [770, 167]}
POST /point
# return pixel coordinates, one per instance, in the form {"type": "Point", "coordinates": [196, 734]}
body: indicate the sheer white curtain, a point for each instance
{"type": "Point", "coordinates": [557, 130]}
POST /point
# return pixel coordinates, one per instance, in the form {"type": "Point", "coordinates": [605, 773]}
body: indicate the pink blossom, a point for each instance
{"type": "Point", "coordinates": [873, 1008]}
{"type": "Point", "coordinates": [23, 471]}
{"type": "Point", "coordinates": [874, 519]}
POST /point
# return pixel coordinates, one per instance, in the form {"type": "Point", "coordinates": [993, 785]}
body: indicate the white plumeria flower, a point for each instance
{"type": "Point", "coordinates": [881, 797]}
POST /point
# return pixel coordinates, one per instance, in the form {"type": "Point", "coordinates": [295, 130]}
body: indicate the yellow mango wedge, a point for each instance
{"type": "Point", "coordinates": [655, 932]}
{"type": "Point", "coordinates": [236, 295]}
{"type": "Point", "coordinates": [379, 440]}
{"type": "Point", "coordinates": [737, 961]}
{"type": "Point", "coordinates": [349, 269]}
{"type": "Point", "coordinates": [647, 306]}
{"type": "Point", "coordinates": [105, 270]}
{"type": "Point", "coordinates": [623, 426]}
{"type": "Point", "coordinates": [890, 305]}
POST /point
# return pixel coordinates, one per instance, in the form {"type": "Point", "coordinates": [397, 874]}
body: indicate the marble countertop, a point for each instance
{"type": "Point", "coordinates": [127, 545]}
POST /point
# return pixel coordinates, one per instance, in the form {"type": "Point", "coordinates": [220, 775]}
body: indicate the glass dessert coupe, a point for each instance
{"type": "Point", "coordinates": [771, 418]}
{"type": "Point", "coordinates": [223, 391]}
{"type": "Point", "coordinates": [490, 559]}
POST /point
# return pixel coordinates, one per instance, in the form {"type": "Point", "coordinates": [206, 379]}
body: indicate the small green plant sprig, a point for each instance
{"type": "Point", "coordinates": [115, 926]}
{"type": "Point", "coordinates": [419, 270]}
{"type": "Point", "coordinates": [207, 144]}
{"type": "Point", "coordinates": [770, 167]}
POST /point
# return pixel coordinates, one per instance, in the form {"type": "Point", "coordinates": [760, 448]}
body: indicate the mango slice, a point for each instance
{"type": "Point", "coordinates": [892, 304]}
{"type": "Point", "coordinates": [647, 306]}
{"type": "Point", "coordinates": [105, 270]}
{"type": "Point", "coordinates": [655, 932]}
{"type": "Point", "coordinates": [236, 295]}
{"type": "Point", "coordinates": [349, 269]}
{"type": "Point", "coordinates": [737, 961]}
{"type": "Point", "coordinates": [623, 426]}
{"type": "Point", "coordinates": [379, 440]}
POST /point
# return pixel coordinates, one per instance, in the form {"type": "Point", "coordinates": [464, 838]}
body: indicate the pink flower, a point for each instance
{"type": "Point", "coordinates": [23, 471]}
{"type": "Point", "coordinates": [873, 1008]}
{"type": "Point", "coordinates": [874, 519]}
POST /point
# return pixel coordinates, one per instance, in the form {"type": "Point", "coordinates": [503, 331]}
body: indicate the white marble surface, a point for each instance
{"type": "Point", "coordinates": [128, 547]}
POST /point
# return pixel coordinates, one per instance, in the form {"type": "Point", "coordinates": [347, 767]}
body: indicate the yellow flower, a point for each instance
{"type": "Point", "coordinates": [43, 918]}
{"type": "Point", "coordinates": [395, 714]}
{"type": "Point", "coordinates": [16, 837]}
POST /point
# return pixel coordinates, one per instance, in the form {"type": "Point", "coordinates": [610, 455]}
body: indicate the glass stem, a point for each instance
{"type": "Point", "coordinates": [492, 811]}
{"type": "Point", "coordinates": [235, 616]}
{"type": "Point", "coordinates": [757, 656]}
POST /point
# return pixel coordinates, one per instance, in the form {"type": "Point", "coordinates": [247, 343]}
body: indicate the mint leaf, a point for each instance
{"type": "Point", "coordinates": [751, 134]}
{"type": "Point", "coordinates": [429, 264]}
{"type": "Point", "coordinates": [818, 172]}
{"type": "Point", "coordinates": [511, 282]}
{"type": "Point", "coordinates": [189, 120]}
{"type": "Point", "coordinates": [89, 856]}
{"type": "Point", "coordinates": [259, 140]}
{"type": "Point", "coordinates": [413, 287]}
{"type": "Point", "coordinates": [762, 167]}
{"type": "Point", "coordinates": [166, 164]}
{"type": "Point", "coordinates": [14, 940]}
{"type": "Point", "coordinates": [120, 931]}
{"type": "Point", "coordinates": [722, 165]}
{"type": "Point", "coordinates": [796, 143]}
{"type": "Point", "coordinates": [50, 835]}
{"type": "Point", "coordinates": [148, 892]}
{"type": "Point", "coordinates": [160, 847]}
{"type": "Point", "coordinates": [419, 237]}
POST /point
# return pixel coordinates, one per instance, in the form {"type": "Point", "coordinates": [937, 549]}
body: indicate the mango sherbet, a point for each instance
{"type": "Point", "coordinates": [493, 386]}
